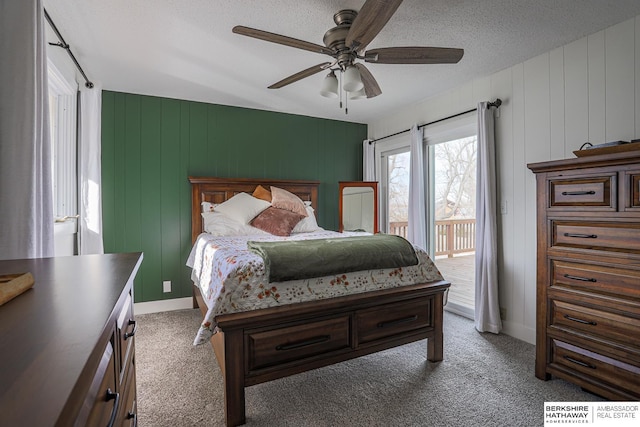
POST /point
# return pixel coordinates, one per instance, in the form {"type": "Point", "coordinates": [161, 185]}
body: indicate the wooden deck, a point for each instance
{"type": "Point", "coordinates": [460, 271]}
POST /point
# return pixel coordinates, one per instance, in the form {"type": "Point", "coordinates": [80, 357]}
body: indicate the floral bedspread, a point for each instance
{"type": "Point", "coordinates": [232, 279]}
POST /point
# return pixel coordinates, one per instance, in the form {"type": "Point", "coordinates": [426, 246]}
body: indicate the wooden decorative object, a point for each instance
{"type": "Point", "coordinates": [609, 149]}
{"type": "Point", "coordinates": [12, 285]}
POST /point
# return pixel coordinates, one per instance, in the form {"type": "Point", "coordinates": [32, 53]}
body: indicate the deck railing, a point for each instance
{"type": "Point", "coordinates": [453, 236]}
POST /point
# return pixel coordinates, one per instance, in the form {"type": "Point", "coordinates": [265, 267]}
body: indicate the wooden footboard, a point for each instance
{"type": "Point", "coordinates": [266, 344]}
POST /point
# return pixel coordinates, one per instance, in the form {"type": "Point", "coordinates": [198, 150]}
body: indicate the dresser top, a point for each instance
{"type": "Point", "coordinates": [48, 333]}
{"type": "Point", "coordinates": [598, 160]}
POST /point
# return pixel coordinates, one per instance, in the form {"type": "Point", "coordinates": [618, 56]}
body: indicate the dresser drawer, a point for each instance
{"type": "Point", "coordinates": [616, 281]}
{"type": "Point", "coordinates": [393, 319]}
{"type": "Point", "coordinates": [593, 191]}
{"type": "Point", "coordinates": [102, 397]}
{"type": "Point", "coordinates": [595, 322]}
{"type": "Point", "coordinates": [596, 366]}
{"type": "Point", "coordinates": [634, 190]}
{"type": "Point", "coordinates": [128, 413]}
{"type": "Point", "coordinates": [278, 346]}
{"type": "Point", "coordinates": [616, 237]}
{"type": "Point", "coordinates": [126, 327]}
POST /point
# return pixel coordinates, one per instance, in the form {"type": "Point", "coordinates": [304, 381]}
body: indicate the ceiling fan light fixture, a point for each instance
{"type": "Point", "coordinates": [360, 94]}
{"type": "Point", "coordinates": [330, 86]}
{"type": "Point", "coordinates": [352, 80]}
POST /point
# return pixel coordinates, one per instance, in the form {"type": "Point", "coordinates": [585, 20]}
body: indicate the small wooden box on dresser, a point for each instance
{"type": "Point", "coordinates": [588, 273]}
{"type": "Point", "coordinates": [68, 352]}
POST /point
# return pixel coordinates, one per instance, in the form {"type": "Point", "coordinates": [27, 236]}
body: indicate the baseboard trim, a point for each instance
{"type": "Point", "coordinates": [162, 305]}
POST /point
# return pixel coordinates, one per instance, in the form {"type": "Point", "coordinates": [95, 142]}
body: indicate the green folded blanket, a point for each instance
{"type": "Point", "coordinates": [304, 259]}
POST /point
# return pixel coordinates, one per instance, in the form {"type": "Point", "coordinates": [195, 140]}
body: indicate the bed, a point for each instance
{"type": "Point", "coordinates": [259, 345]}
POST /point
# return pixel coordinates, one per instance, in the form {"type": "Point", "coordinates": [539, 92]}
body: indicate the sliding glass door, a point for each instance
{"type": "Point", "coordinates": [450, 169]}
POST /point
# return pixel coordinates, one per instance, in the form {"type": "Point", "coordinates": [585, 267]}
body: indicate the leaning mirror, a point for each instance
{"type": "Point", "coordinates": [358, 206]}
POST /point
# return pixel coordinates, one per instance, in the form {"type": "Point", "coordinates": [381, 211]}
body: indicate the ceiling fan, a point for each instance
{"type": "Point", "coordinates": [346, 43]}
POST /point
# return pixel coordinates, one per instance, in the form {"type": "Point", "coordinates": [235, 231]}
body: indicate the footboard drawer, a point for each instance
{"type": "Point", "coordinates": [393, 319]}
{"type": "Point", "coordinates": [281, 345]}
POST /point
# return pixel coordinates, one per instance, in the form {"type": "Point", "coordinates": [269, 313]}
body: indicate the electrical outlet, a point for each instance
{"type": "Point", "coordinates": [166, 286]}
{"type": "Point", "coordinates": [503, 313]}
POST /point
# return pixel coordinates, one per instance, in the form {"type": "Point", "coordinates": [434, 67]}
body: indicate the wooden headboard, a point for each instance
{"type": "Point", "coordinates": [218, 190]}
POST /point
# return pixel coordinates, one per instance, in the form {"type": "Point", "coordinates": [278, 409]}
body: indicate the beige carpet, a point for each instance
{"type": "Point", "coordinates": [484, 380]}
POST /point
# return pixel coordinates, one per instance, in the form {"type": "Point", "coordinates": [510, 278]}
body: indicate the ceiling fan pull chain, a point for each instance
{"type": "Point", "coordinates": [340, 88]}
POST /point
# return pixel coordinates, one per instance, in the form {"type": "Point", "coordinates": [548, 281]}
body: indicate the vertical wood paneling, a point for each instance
{"type": "Point", "coordinates": [537, 148]}
{"type": "Point", "coordinates": [108, 157]}
{"type": "Point", "coordinates": [576, 105]}
{"type": "Point", "coordinates": [620, 81]}
{"type": "Point", "coordinates": [597, 94]}
{"type": "Point", "coordinates": [170, 180]}
{"type": "Point", "coordinates": [556, 104]}
{"type": "Point", "coordinates": [518, 303]}
{"type": "Point", "coordinates": [150, 197]}
{"type": "Point", "coordinates": [151, 145]}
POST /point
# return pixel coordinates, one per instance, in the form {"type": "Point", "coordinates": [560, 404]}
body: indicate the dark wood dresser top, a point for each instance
{"type": "Point", "coordinates": [49, 334]}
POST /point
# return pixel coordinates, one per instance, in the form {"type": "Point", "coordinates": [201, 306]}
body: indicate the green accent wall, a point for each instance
{"type": "Point", "coordinates": [150, 146]}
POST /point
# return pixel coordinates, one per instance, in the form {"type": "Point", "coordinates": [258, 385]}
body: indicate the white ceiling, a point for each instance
{"type": "Point", "coordinates": [186, 50]}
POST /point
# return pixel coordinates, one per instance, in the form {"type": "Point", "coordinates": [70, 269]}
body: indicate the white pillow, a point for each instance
{"type": "Point", "coordinates": [308, 224]}
{"type": "Point", "coordinates": [242, 207]}
{"type": "Point", "coordinates": [208, 207]}
{"type": "Point", "coordinates": [218, 224]}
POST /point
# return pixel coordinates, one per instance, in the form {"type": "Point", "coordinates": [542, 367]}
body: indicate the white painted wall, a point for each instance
{"type": "Point", "coordinates": [587, 90]}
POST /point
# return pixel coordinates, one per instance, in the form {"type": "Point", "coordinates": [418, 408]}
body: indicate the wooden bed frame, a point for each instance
{"type": "Point", "coordinates": [266, 344]}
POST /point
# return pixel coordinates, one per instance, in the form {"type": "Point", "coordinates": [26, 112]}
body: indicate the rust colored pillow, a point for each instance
{"type": "Point", "coordinates": [279, 222]}
{"type": "Point", "coordinates": [284, 199]}
{"type": "Point", "coordinates": [262, 193]}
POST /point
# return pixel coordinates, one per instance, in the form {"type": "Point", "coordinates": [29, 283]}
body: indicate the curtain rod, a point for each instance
{"type": "Point", "coordinates": [66, 47]}
{"type": "Point", "coordinates": [496, 104]}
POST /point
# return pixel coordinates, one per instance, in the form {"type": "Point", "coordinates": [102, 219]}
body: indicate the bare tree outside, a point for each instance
{"type": "Point", "coordinates": [399, 168]}
{"type": "Point", "coordinates": [455, 176]}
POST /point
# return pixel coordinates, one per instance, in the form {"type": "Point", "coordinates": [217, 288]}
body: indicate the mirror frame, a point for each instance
{"type": "Point", "coordinates": [368, 184]}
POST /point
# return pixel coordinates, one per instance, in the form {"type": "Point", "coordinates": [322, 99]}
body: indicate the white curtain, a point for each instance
{"type": "Point", "coordinates": [368, 161]}
{"type": "Point", "coordinates": [89, 171]}
{"type": "Point", "coordinates": [26, 195]}
{"type": "Point", "coordinates": [417, 228]}
{"type": "Point", "coordinates": [487, 309]}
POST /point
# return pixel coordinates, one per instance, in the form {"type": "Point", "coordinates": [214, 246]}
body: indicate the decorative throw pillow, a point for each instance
{"type": "Point", "coordinates": [279, 222]}
{"type": "Point", "coordinates": [262, 193]}
{"type": "Point", "coordinates": [242, 207]}
{"type": "Point", "coordinates": [308, 224]}
{"type": "Point", "coordinates": [284, 199]}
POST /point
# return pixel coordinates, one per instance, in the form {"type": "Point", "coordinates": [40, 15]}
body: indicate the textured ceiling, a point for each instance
{"type": "Point", "coordinates": [186, 50]}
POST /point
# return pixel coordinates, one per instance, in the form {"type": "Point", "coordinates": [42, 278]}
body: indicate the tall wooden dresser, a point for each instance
{"type": "Point", "coordinates": [67, 350]}
{"type": "Point", "coordinates": [588, 272]}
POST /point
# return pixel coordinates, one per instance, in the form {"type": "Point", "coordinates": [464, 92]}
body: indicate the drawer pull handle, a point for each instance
{"type": "Point", "coordinates": [582, 279]}
{"type": "Point", "coordinates": [582, 236]}
{"type": "Point", "coordinates": [575, 319]}
{"type": "Point", "coordinates": [304, 343]}
{"type": "Point", "coordinates": [579, 362]}
{"type": "Point", "coordinates": [398, 321]}
{"type": "Point", "coordinates": [578, 193]}
{"type": "Point", "coordinates": [133, 415]}
{"type": "Point", "coordinates": [113, 396]}
{"type": "Point", "coordinates": [128, 335]}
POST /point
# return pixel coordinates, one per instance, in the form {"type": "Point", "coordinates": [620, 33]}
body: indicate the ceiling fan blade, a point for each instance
{"type": "Point", "coordinates": [414, 55]}
{"type": "Point", "coordinates": [372, 17]}
{"type": "Point", "coordinates": [301, 75]}
{"type": "Point", "coordinates": [284, 40]}
{"type": "Point", "coordinates": [371, 87]}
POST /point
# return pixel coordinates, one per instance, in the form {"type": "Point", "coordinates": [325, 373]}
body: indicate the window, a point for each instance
{"type": "Point", "coordinates": [62, 112]}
